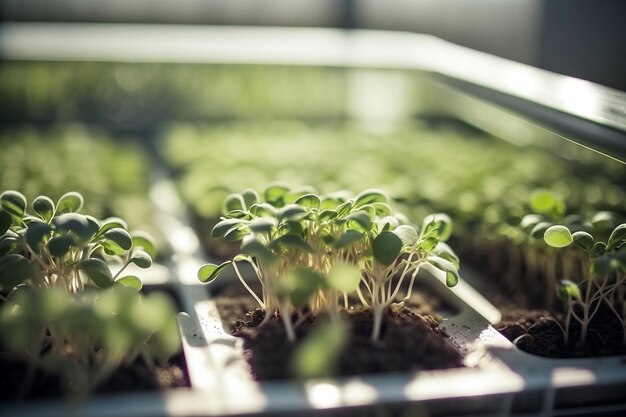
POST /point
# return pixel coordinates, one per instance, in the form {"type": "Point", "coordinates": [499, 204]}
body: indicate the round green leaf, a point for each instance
{"type": "Point", "coordinates": [234, 202]}
{"type": "Point", "coordinates": [258, 250]}
{"type": "Point", "coordinates": [300, 285]}
{"type": "Point", "coordinates": [112, 223]}
{"type": "Point", "coordinates": [44, 206]}
{"type": "Point", "coordinates": [583, 240]}
{"type": "Point", "coordinates": [443, 250]}
{"type": "Point", "coordinates": [540, 229]}
{"type": "Point", "coordinates": [407, 234]}
{"type": "Point", "coordinates": [59, 246]}
{"type": "Point", "coordinates": [370, 197]}
{"type": "Point", "coordinates": [141, 259]}
{"type": "Point", "coordinates": [250, 198]}
{"type": "Point", "coordinates": [310, 201]}
{"type": "Point", "coordinates": [558, 236]}
{"type": "Point", "coordinates": [292, 212]}
{"type": "Point", "coordinates": [359, 220]}
{"type": "Point", "coordinates": [530, 220]}
{"type": "Point", "coordinates": [546, 202]}
{"type": "Point", "coordinates": [386, 247]}
{"type": "Point", "coordinates": [5, 221]}
{"type": "Point", "coordinates": [567, 290]}
{"type": "Point", "coordinates": [292, 241]}
{"type": "Point", "coordinates": [618, 237]}
{"type": "Point", "coordinates": [348, 238]}
{"type": "Point", "coordinates": [598, 249]}
{"type": "Point", "coordinates": [97, 271]}
{"type": "Point", "coordinates": [344, 277]}
{"type": "Point", "coordinates": [224, 226]}
{"type": "Point", "coordinates": [209, 272]}
{"type": "Point", "coordinates": [13, 202]}
{"type": "Point", "coordinates": [437, 225]}
{"type": "Point", "coordinates": [262, 224]}
{"type": "Point", "coordinates": [35, 233]}
{"type": "Point", "coordinates": [117, 241]}
{"type": "Point", "coordinates": [14, 269]}
{"type": "Point", "coordinates": [130, 281]}
{"type": "Point", "coordinates": [78, 225]}
{"type": "Point", "coordinates": [274, 194]}
{"type": "Point", "coordinates": [145, 241]}
{"type": "Point", "coordinates": [70, 202]}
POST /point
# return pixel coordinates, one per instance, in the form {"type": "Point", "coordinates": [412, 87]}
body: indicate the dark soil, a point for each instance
{"type": "Point", "coordinates": [536, 332]}
{"type": "Point", "coordinates": [409, 341]}
{"type": "Point", "coordinates": [135, 377]}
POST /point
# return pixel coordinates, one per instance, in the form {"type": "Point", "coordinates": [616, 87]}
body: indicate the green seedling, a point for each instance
{"type": "Point", "coordinates": [310, 251]}
{"type": "Point", "coordinates": [66, 312]}
{"type": "Point", "coordinates": [55, 245]}
{"type": "Point", "coordinates": [84, 338]}
{"type": "Point", "coordinates": [604, 283]}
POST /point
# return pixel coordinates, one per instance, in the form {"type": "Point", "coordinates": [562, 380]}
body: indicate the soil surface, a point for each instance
{"type": "Point", "coordinates": [537, 332]}
{"type": "Point", "coordinates": [135, 377]}
{"type": "Point", "coordinates": [409, 341]}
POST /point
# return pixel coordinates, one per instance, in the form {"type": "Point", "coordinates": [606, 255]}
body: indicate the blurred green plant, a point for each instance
{"type": "Point", "coordinates": [66, 312]}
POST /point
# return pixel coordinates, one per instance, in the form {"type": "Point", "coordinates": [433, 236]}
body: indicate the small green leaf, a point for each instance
{"type": "Point", "coordinates": [262, 224]}
{"type": "Point", "coordinates": [531, 220]}
{"type": "Point", "coordinates": [70, 203]}
{"type": "Point", "coordinates": [256, 249]}
{"type": "Point", "coordinates": [59, 246]}
{"type": "Point", "coordinates": [145, 241]}
{"type": "Point", "coordinates": [369, 197]}
{"type": "Point", "coordinates": [14, 270]}
{"type": "Point", "coordinates": [540, 229]}
{"type": "Point", "coordinates": [567, 290]}
{"type": "Point", "coordinates": [291, 196]}
{"type": "Point", "coordinates": [44, 206]}
{"type": "Point", "coordinates": [326, 215]}
{"type": "Point", "coordinates": [236, 234]}
{"type": "Point", "coordinates": [444, 251]}
{"type": "Point", "coordinates": [351, 236]}
{"type": "Point", "coordinates": [602, 265]}
{"type": "Point", "coordinates": [264, 210]}
{"type": "Point", "coordinates": [234, 202]}
{"type": "Point", "coordinates": [130, 281]}
{"type": "Point", "coordinates": [452, 275]}
{"type": "Point", "coordinates": [78, 225]}
{"type": "Point", "coordinates": [292, 212]}
{"type": "Point", "coordinates": [386, 247]}
{"type": "Point", "coordinates": [558, 236]}
{"type": "Point", "coordinates": [97, 271]}
{"type": "Point", "coordinates": [141, 258]}
{"type": "Point", "coordinates": [117, 241]}
{"type": "Point", "coordinates": [8, 242]}
{"type": "Point", "coordinates": [546, 202]}
{"type": "Point", "coordinates": [112, 223]}
{"type": "Point", "coordinates": [35, 233]}
{"type": "Point", "coordinates": [603, 220]}
{"type": "Point", "coordinates": [310, 201]}
{"type": "Point", "coordinates": [5, 221]}
{"type": "Point", "coordinates": [293, 242]}
{"type": "Point", "coordinates": [618, 237]}
{"type": "Point", "coordinates": [343, 209]}
{"type": "Point", "coordinates": [598, 249]}
{"type": "Point", "coordinates": [583, 240]}
{"type": "Point", "coordinates": [250, 198]}
{"type": "Point", "coordinates": [274, 194]}
{"type": "Point", "coordinates": [224, 226]}
{"type": "Point", "coordinates": [209, 272]}
{"type": "Point", "coordinates": [407, 234]}
{"type": "Point", "coordinates": [359, 220]}
{"type": "Point", "coordinates": [387, 223]}
{"type": "Point", "coordinates": [437, 225]}
{"type": "Point", "coordinates": [13, 202]}
{"type": "Point", "coordinates": [344, 277]}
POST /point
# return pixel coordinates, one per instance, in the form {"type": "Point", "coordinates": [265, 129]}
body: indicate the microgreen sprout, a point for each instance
{"type": "Point", "coordinates": [56, 245]}
{"type": "Point", "coordinates": [310, 251]}
{"type": "Point", "coordinates": [604, 283]}
{"type": "Point", "coordinates": [66, 312]}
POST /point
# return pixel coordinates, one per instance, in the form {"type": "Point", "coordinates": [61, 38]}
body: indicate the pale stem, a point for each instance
{"type": "Point", "coordinates": [243, 282]}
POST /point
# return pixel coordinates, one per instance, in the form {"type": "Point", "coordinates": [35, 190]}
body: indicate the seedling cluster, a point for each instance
{"type": "Point", "coordinates": [602, 284]}
{"type": "Point", "coordinates": [310, 251]}
{"type": "Point", "coordinates": [65, 311]}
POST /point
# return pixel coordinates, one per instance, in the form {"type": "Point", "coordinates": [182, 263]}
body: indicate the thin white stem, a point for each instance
{"type": "Point", "coordinates": [243, 282]}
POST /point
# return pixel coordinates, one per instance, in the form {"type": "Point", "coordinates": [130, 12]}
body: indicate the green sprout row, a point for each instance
{"type": "Point", "coordinates": [65, 311]}
{"type": "Point", "coordinates": [310, 251]}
